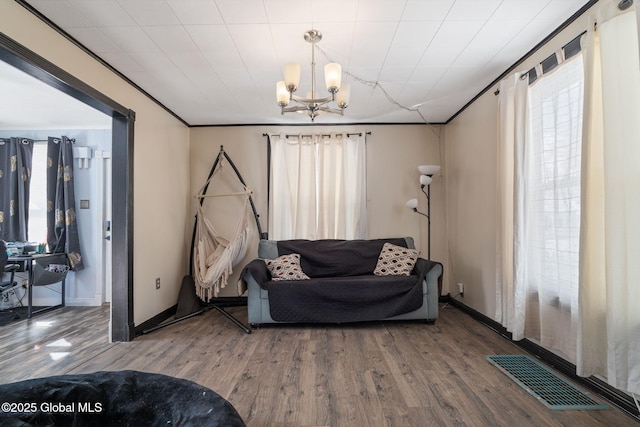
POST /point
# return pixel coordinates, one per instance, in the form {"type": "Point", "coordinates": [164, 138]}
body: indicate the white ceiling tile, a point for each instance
{"type": "Point", "coordinates": [526, 40]}
{"type": "Point", "coordinates": [415, 33]}
{"type": "Point", "coordinates": [518, 10]}
{"type": "Point", "coordinates": [103, 13]}
{"type": "Point", "coordinates": [94, 39]}
{"type": "Point", "coordinates": [452, 38]}
{"type": "Point", "coordinates": [427, 75]}
{"type": "Point", "coordinates": [210, 37]}
{"type": "Point", "coordinates": [286, 11]}
{"type": "Point", "coordinates": [380, 10]}
{"type": "Point", "coordinates": [121, 61]}
{"type": "Point", "coordinates": [154, 62]}
{"type": "Point", "coordinates": [473, 9]}
{"type": "Point", "coordinates": [334, 10]}
{"type": "Point", "coordinates": [427, 10]}
{"type": "Point", "coordinates": [559, 10]}
{"type": "Point", "coordinates": [131, 39]}
{"type": "Point", "coordinates": [403, 57]}
{"type": "Point", "coordinates": [242, 12]}
{"type": "Point", "coordinates": [396, 74]}
{"type": "Point", "coordinates": [194, 65]}
{"type": "Point", "coordinates": [171, 38]}
{"type": "Point", "coordinates": [223, 58]}
{"type": "Point", "coordinates": [489, 41]}
{"type": "Point", "coordinates": [149, 12]}
{"type": "Point", "coordinates": [372, 39]}
{"type": "Point", "coordinates": [196, 12]}
{"type": "Point", "coordinates": [63, 13]}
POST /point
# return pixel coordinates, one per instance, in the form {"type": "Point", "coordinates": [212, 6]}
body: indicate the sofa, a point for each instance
{"type": "Point", "coordinates": [340, 281]}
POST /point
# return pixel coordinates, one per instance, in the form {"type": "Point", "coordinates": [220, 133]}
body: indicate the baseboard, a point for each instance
{"type": "Point", "coordinates": [227, 302]}
{"type": "Point", "coordinates": [614, 396]}
{"type": "Point", "coordinates": [155, 320]}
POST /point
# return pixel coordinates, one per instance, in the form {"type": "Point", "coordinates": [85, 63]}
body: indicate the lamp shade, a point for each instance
{"type": "Point", "coordinates": [332, 76]}
{"type": "Point", "coordinates": [425, 180]}
{"type": "Point", "coordinates": [343, 95]}
{"type": "Point", "coordinates": [429, 169]}
{"type": "Point", "coordinates": [292, 76]}
{"type": "Point", "coordinates": [282, 94]}
{"type": "Point", "coordinates": [412, 204]}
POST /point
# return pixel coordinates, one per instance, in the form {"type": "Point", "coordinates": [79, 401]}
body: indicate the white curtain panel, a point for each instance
{"type": "Point", "coordinates": [547, 215]}
{"type": "Point", "coordinates": [609, 343]}
{"type": "Point", "coordinates": [318, 187]}
{"type": "Point", "coordinates": [510, 302]}
{"type": "Point", "coordinates": [538, 217]}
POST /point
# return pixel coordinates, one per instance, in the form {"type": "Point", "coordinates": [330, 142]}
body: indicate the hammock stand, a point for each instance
{"type": "Point", "coordinates": [189, 304]}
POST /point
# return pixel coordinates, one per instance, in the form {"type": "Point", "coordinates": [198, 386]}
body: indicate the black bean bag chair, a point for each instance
{"type": "Point", "coordinates": [119, 398]}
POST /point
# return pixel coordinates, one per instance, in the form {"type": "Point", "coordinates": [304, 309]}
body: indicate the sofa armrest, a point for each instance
{"type": "Point", "coordinates": [424, 268]}
{"type": "Point", "coordinates": [258, 270]}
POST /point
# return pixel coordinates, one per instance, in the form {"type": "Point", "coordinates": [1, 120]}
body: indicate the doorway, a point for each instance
{"type": "Point", "coordinates": [121, 158]}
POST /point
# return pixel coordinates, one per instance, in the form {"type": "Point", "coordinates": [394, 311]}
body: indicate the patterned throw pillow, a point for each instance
{"type": "Point", "coordinates": [286, 267]}
{"type": "Point", "coordinates": [395, 261]}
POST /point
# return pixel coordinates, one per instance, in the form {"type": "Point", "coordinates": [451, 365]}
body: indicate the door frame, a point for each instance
{"type": "Point", "coordinates": [17, 55]}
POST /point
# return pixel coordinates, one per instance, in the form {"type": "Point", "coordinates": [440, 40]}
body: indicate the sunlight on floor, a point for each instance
{"type": "Point", "coordinates": [44, 324]}
{"type": "Point", "coordinates": [57, 355]}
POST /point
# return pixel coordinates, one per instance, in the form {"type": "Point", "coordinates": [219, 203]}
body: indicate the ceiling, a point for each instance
{"type": "Point", "coordinates": [36, 105]}
{"type": "Point", "coordinates": [217, 61]}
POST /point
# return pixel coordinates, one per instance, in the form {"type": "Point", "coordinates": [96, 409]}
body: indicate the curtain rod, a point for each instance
{"type": "Point", "coordinates": [497, 92]}
{"type": "Point", "coordinates": [73, 140]}
{"type": "Point", "coordinates": [309, 136]}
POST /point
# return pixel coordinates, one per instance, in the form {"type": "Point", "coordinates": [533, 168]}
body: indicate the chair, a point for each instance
{"type": "Point", "coordinates": [6, 285]}
{"type": "Point", "coordinates": [46, 270]}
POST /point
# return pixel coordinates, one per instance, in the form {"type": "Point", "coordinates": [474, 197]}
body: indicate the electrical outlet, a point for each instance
{"type": "Point", "coordinates": [461, 289]}
{"type": "Point", "coordinates": [157, 283]}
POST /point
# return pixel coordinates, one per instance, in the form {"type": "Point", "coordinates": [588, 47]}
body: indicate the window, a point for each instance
{"type": "Point", "coordinates": [552, 189]}
{"type": "Point", "coordinates": [37, 229]}
{"type": "Point", "coordinates": [317, 187]}
{"type": "Point", "coordinates": [548, 225]}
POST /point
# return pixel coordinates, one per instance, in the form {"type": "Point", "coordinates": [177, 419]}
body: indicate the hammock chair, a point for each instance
{"type": "Point", "coordinates": [214, 256]}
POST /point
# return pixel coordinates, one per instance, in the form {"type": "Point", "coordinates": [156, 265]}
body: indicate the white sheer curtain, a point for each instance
{"type": "Point", "coordinates": [547, 215]}
{"type": "Point", "coordinates": [318, 187]}
{"type": "Point", "coordinates": [539, 206]}
{"type": "Point", "coordinates": [510, 303]}
{"type": "Point", "coordinates": [609, 338]}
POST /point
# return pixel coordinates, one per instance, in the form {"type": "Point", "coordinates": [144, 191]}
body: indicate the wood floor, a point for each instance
{"type": "Point", "coordinates": [378, 374]}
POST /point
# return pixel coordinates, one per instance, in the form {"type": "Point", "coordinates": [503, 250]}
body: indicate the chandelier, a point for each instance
{"type": "Point", "coordinates": [311, 105]}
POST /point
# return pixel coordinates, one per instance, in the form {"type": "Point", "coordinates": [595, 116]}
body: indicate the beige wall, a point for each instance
{"type": "Point", "coordinates": [471, 151]}
{"type": "Point", "coordinates": [393, 154]}
{"type": "Point", "coordinates": [161, 177]}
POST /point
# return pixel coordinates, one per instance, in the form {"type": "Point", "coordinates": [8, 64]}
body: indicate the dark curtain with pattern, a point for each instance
{"type": "Point", "coordinates": [62, 228]}
{"type": "Point", "coordinates": [15, 177]}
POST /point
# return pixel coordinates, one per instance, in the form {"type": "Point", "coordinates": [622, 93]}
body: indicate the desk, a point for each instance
{"type": "Point", "coordinates": [44, 269]}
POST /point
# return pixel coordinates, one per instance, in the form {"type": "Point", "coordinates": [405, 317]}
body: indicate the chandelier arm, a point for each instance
{"type": "Point", "coordinates": [294, 109]}
{"type": "Point", "coordinates": [312, 100]}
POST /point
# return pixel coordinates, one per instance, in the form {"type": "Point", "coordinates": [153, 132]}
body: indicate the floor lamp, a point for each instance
{"type": "Point", "coordinates": [426, 177]}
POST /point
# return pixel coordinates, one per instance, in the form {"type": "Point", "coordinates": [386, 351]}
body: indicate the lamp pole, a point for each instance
{"type": "Point", "coordinates": [428, 215]}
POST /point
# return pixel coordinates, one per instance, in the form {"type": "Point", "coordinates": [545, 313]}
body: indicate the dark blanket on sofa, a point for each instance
{"type": "Point", "coordinates": [343, 299]}
{"type": "Point", "coordinates": [343, 287]}
{"type": "Point", "coordinates": [331, 258]}
{"type": "Point", "coordinates": [120, 398]}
